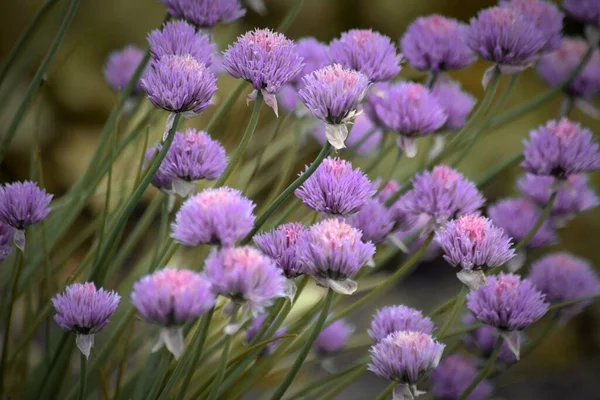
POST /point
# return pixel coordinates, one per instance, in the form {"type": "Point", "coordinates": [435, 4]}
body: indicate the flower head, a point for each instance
{"type": "Point", "coordinates": [402, 218]}
{"type": "Point", "coordinates": [120, 67]}
{"type": "Point", "coordinates": [364, 137]}
{"type": "Point", "coordinates": [180, 84]}
{"type": "Point", "coordinates": [556, 66]}
{"type": "Point", "coordinates": [315, 55]}
{"type": "Point", "coordinates": [180, 38]}
{"type": "Point", "coordinates": [441, 194]}
{"type": "Point", "coordinates": [280, 244]}
{"type": "Point", "coordinates": [205, 13]}
{"type": "Point", "coordinates": [84, 310]}
{"type": "Point", "coordinates": [456, 103]}
{"type": "Point", "coordinates": [332, 252]}
{"type": "Point", "coordinates": [392, 319]}
{"type": "Point", "coordinates": [255, 326]}
{"type": "Point", "coordinates": [244, 274]}
{"type": "Point", "coordinates": [366, 51]}
{"type": "Point", "coordinates": [332, 94]}
{"type": "Point", "coordinates": [336, 189]}
{"type": "Point", "coordinates": [161, 180]}
{"type": "Point", "coordinates": [436, 43]}
{"type": "Point", "coordinates": [6, 234]}
{"type": "Point", "coordinates": [507, 302]}
{"type": "Point", "coordinates": [454, 374]}
{"type": "Point", "coordinates": [583, 10]}
{"type": "Point", "coordinates": [517, 217]}
{"type": "Point", "coordinates": [23, 204]}
{"type": "Point", "coordinates": [375, 221]}
{"type": "Point", "coordinates": [214, 216]}
{"type": "Point", "coordinates": [333, 338]}
{"type": "Point", "coordinates": [484, 339]}
{"type": "Point", "coordinates": [563, 277]}
{"type": "Point", "coordinates": [266, 59]}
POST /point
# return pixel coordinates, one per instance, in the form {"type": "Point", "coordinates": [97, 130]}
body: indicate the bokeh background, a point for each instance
{"type": "Point", "coordinates": [68, 114]}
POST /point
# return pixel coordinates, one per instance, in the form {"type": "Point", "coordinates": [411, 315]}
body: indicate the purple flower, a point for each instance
{"type": "Point", "coordinates": [366, 51]}
{"type": "Point", "coordinates": [563, 277]}
{"type": "Point", "coordinates": [6, 234]}
{"type": "Point", "coordinates": [161, 180]}
{"type": "Point", "coordinates": [332, 94]}
{"type": "Point", "coordinates": [436, 43]}
{"type": "Point", "coordinates": [315, 55]}
{"type": "Point", "coordinates": [507, 37]}
{"type": "Point", "coordinates": [507, 303]}
{"type": "Point", "coordinates": [392, 319]}
{"type": "Point", "coordinates": [560, 148]}
{"type": "Point", "coordinates": [555, 67]}
{"type": "Point", "coordinates": [255, 325]}
{"type": "Point", "coordinates": [364, 136]}
{"type": "Point", "coordinates": [405, 357]}
{"type": "Point", "coordinates": [170, 298]}
{"type": "Point", "coordinates": [573, 195]}
{"type": "Point", "coordinates": [335, 188]}
{"type": "Point", "coordinates": [180, 38]}
{"type": "Point", "coordinates": [456, 103]}
{"type": "Point", "coordinates": [280, 244]}
{"type": "Point", "coordinates": [401, 217]}
{"type": "Point", "coordinates": [120, 67]}
{"type": "Point", "coordinates": [410, 110]}
{"type": "Point", "coordinates": [244, 274]}
{"type": "Point", "coordinates": [484, 339]}
{"type": "Point", "coordinates": [441, 194]}
{"type": "Point", "coordinates": [546, 17]}
{"type": "Point", "coordinates": [333, 338]}
{"type": "Point", "coordinates": [287, 98]}
{"type": "Point", "coordinates": [84, 310]}
{"type": "Point", "coordinates": [375, 221]}
{"type": "Point", "coordinates": [332, 252]}
{"type": "Point", "coordinates": [583, 10]}
{"type": "Point", "coordinates": [410, 238]}
{"type": "Point", "coordinates": [454, 374]}
{"type": "Point", "coordinates": [517, 217]}
{"type": "Point", "coordinates": [180, 84]}
{"type": "Point", "coordinates": [214, 216]}
{"type": "Point", "coordinates": [205, 13]}
{"type": "Point", "coordinates": [266, 59]}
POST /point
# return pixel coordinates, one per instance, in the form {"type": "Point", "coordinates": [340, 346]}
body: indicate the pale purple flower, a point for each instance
{"type": "Point", "coordinates": [247, 276]}
{"type": "Point", "coordinates": [452, 377]}
{"type": "Point", "coordinates": [442, 194]}
{"type": "Point", "coordinates": [557, 66]}
{"type": "Point", "coordinates": [84, 310]}
{"type": "Point", "coordinates": [364, 137]}
{"type": "Point", "coordinates": [332, 253]}
{"type": "Point", "coordinates": [255, 325]}
{"type": "Point", "coordinates": [336, 189]}
{"type": "Point", "coordinates": [411, 237]}
{"type": "Point", "coordinates": [457, 104]}
{"type": "Point", "coordinates": [333, 338]}
{"type": "Point", "coordinates": [573, 195]}
{"type": "Point", "coordinates": [280, 244]}
{"type": "Point", "coordinates": [548, 19]}
{"type": "Point", "coordinates": [332, 94]}
{"type": "Point", "coordinates": [180, 84]}
{"type": "Point", "coordinates": [583, 10]}
{"type": "Point", "coordinates": [402, 218]}
{"type": "Point", "coordinates": [517, 217]}
{"type": "Point", "coordinates": [161, 180]}
{"type": "Point", "coordinates": [437, 43]}
{"type": "Point", "coordinates": [483, 340]}
{"type": "Point", "coordinates": [180, 38]}
{"type": "Point", "coordinates": [563, 277]}
{"type": "Point", "coordinates": [6, 234]}
{"type": "Point", "coordinates": [366, 51]}
{"type": "Point", "coordinates": [392, 319]}
{"type": "Point", "coordinates": [560, 148]}
{"type": "Point", "coordinates": [266, 59]}
{"type": "Point", "coordinates": [120, 67]}
{"type": "Point", "coordinates": [214, 216]}
{"type": "Point", "coordinates": [405, 357]}
{"type": "Point", "coordinates": [287, 98]}
{"type": "Point", "coordinates": [23, 204]}
{"type": "Point", "coordinates": [205, 13]}
{"type": "Point", "coordinates": [375, 220]}
{"type": "Point", "coordinates": [315, 55]}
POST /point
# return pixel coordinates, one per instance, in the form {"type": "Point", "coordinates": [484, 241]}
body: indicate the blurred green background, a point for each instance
{"type": "Point", "coordinates": [73, 103]}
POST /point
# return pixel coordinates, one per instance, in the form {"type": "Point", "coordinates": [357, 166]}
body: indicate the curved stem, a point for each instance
{"type": "Point", "coordinates": [386, 392]}
{"type": "Point", "coordinates": [291, 15]}
{"type": "Point", "coordinates": [484, 372]}
{"type": "Point", "coordinates": [37, 80]}
{"type": "Point", "coordinates": [225, 107]}
{"type": "Point", "coordinates": [557, 306]}
{"type": "Point", "coordinates": [237, 155]}
{"type": "Point", "coordinates": [287, 192]}
{"type": "Point", "coordinates": [523, 242]}
{"type": "Point", "coordinates": [82, 377]}
{"type": "Point", "coordinates": [223, 362]}
{"type": "Point", "coordinates": [306, 349]}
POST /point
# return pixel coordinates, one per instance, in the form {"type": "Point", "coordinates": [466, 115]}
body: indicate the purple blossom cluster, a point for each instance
{"type": "Point", "coordinates": [388, 320]}
{"type": "Point", "coordinates": [454, 374]}
{"type": "Point", "coordinates": [180, 38]}
{"type": "Point", "coordinates": [205, 13]}
{"type": "Point", "coordinates": [120, 66]}
{"type": "Point", "coordinates": [587, 11]}
{"type": "Point", "coordinates": [280, 244]}
{"type": "Point", "coordinates": [333, 338]}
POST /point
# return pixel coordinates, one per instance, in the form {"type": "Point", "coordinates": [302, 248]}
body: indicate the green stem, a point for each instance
{"type": "Point", "coordinates": [225, 106]}
{"type": "Point", "coordinates": [461, 331]}
{"type": "Point", "coordinates": [545, 213]}
{"type": "Point", "coordinates": [291, 15]}
{"type": "Point", "coordinates": [37, 80]}
{"type": "Point", "coordinates": [567, 303]}
{"type": "Point", "coordinates": [306, 349]}
{"type": "Point", "coordinates": [287, 192]}
{"type": "Point", "coordinates": [458, 304]}
{"type": "Point", "coordinates": [531, 346]}
{"type": "Point", "coordinates": [8, 318]}
{"type": "Point", "coordinates": [485, 371]}
{"type": "Point", "coordinates": [493, 174]}
{"type": "Point", "coordinates": [99, 270]}
{"type": "Point", "coordinates": [223, 361]}
{"type": "Point", "coordinates": [237, 155]}
{"type": "Point", "coordinates": [386, 392]}
{"type": "Point", "coordinates": [331, 394]}
{"type": "Point", "coordinates": [82, 377]}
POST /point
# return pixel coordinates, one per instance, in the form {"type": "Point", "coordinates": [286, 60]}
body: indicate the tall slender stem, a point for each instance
{"type": "Point", "coordinates": [458, 304]}
{"type": "Point", "coordinates": [241, 149]}
{"type": "Point", "coordinates": [291, 15]}
{"type": "Point", "coordinates": [306, 349]}
{"type": "Point", "coordinates": [386, 392]}
{"type": "Point", "coordinates": [545, 213]}
{"type": "Point", "coordinates": [223, 362]}
{"type": "Point", "coordinates": [485, 371]}
{"type": "Point", "coordinates": [225, 106]}
{"type": "Point", "coordinates": [37, 80]}
{"type": "Point", "coordinates": [82, 377]}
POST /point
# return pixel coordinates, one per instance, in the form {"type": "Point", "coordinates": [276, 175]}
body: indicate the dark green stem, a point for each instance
{"type": "Point", "coordinates": [458, 304]}
{"type": "Point", "coordinates": [494, 173]}
{"type": "Point", "coordinates": [291, 15]}
{"type": "Point", "coordinates": [545, 213]}
{"type": "Point", "coordinates": [225, 107]}
{"type": "Point", "coordinates": [223, 361]}
{"type": "Point", "coordinates": [386, 392]}
{"type": "Point", "coordinates": [82, 377]}
{"type": "Point", "coordinates": [485, 371]}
